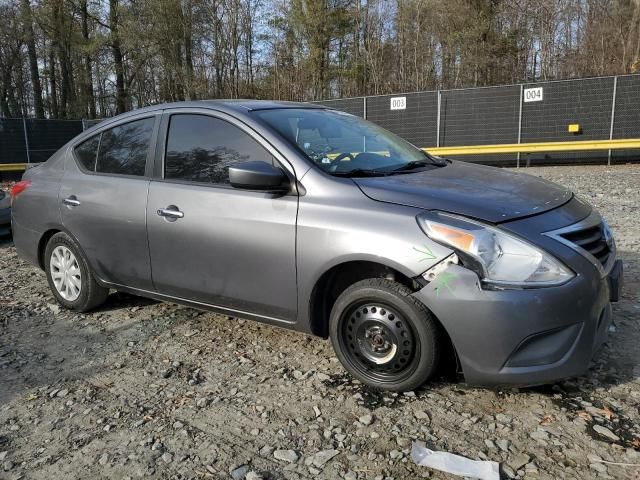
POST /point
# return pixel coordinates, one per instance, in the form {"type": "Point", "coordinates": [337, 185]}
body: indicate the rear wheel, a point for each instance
{"type": "Point", "coordinates": [69, 276]}
{"type": "Point", "coordinates": [385, 337]}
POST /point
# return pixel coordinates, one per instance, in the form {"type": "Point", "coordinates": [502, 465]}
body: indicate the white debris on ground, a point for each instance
{"type": "Point", "coordinates": [454, 464]}
{"type": "Point", "coordinates": [146, 389]}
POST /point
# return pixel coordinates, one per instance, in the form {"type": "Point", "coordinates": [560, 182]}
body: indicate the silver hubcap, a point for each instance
{"type": "Point", "coordinates": [65, 273]}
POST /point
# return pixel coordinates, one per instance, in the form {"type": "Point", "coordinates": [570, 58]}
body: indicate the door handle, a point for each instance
{"type": "Point", "coordinates": [72, 201]}
{"type": "Point", "coordinates": [170, 212]}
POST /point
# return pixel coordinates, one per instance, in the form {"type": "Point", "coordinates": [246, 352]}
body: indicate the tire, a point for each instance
{"type": "Point", "coordinates": [384, 337]}
{"type": "Point", "coordinates": [69, 276]}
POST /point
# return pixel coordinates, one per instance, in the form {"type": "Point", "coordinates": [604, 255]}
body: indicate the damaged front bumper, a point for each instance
{"type": "Point", "coordinates": [522, 337]}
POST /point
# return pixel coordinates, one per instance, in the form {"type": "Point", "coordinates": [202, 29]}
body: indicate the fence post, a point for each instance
{"type": "Point", "coordinates": [364, 106]}
{"type": "Point", "coordinates": [438, 119]}
{"type": "Point", "coordinates": [613, 114]}
{"type": "Point", "coordinates": [26, 139]}
{"type": "Point", "coordinates": [520, 125]}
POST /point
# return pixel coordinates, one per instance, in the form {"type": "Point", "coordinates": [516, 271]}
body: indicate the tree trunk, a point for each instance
{"type": "Point", "coordinates": [53, 82]}
{"type": "Point", "coordinates": [60, 49]}
{"type": "Point", "coordinates": [4, 93]}
{"type": "Point", "coordinates": [188, 49]}
{"type": "Point", "coordinates": [88, 81]}
{"type": "Point", "coordinates": [33, 58]}
{"type": "Point", "coordinates": [116, 51]}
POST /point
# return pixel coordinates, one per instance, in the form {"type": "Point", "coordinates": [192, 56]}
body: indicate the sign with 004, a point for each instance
{"type": "Point", "coordinates": [533, 94]}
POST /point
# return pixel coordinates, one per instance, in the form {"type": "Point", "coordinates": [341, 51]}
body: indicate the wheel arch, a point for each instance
{"type": "Point", "coordinates": [340, 276]}
{"type": "Point", "coordinates": [46, 236]}
{"type": "Point", "coordinates": [42, 244]}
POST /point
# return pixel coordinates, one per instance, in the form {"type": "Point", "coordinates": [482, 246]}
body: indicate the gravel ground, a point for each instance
{"type": "Point", "coordinates": [141, 388]}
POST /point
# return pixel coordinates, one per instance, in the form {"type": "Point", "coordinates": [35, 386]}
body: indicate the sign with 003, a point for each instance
{"type": "Point", "coordinates": [398, 103]}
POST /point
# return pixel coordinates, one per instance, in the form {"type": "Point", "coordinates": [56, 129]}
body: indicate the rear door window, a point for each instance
{"type": "Point", "coordinates": [124, 149]}
{"type": "Point", "coordinates": [87, 152]}
{"type": "Point", "coordinates": [200, 148]}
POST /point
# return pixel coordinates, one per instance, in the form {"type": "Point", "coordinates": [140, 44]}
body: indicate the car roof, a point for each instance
{"type": "Point", "coordinates": [238, 105]}
{"type": "Point", "coordinates": [248, 104]}
{"type": "Point", "coordinates": [228, 106]}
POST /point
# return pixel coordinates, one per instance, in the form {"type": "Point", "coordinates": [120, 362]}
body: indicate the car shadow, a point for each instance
{"type": "Point", "coordinates": [43, 345]}
{"type": "Point", "coordinates": [41, 348]}
{"type": "Point", "coordinates": [120, 300]}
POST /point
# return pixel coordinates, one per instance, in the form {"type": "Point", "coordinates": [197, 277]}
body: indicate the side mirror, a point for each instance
{"type": "Point", "coordinates": [256, 175]}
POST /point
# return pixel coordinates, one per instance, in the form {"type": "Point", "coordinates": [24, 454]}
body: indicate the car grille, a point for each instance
{"type": "Point", "coordinates": [591, 239]}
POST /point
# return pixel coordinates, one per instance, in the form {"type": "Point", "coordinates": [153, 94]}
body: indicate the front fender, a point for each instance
{"type": "Point", "coordinates": [385, 234]}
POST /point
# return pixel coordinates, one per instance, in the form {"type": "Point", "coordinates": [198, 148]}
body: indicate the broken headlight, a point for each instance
{"type": "Point", "coordinates": [498, 257]}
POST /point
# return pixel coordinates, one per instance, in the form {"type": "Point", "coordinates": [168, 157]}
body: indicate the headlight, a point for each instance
{"type": "Point", "coordinates": [498, 257]}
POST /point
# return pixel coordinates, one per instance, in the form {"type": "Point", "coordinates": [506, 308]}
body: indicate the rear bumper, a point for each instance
{"type": "Point", "coordinates": [522, 337]}
{"type": "Point", "coordinates": [26, 242]}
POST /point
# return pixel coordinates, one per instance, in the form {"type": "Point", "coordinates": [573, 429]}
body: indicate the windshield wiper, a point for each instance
{"type": "Point", "coordinates": [431, 162]}
{"type": "Point", "coordinates": [360, 172]}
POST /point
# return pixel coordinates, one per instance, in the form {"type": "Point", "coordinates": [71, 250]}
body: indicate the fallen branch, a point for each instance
{"type": "Point", "coordinates": [618, 464]}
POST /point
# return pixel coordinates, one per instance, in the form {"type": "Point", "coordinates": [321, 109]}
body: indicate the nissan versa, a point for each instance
{"type": "Point", "coordinates": [319, 221]}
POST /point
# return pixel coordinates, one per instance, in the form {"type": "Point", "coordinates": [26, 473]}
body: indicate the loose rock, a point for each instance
{"type": "Point", "coordinates": [289, 456]}
{"type": "Point", "coordinates": [366, 419]}
{"type": "Point", "coordinates": [605, 432]}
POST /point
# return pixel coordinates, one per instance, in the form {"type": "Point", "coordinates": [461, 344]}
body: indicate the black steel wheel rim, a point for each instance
{"type": "Point", "coordinates": [378, 341]}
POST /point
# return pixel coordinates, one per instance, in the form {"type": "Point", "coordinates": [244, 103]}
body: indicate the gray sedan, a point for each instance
{"type": "Point", "coordinates": [319, 221]}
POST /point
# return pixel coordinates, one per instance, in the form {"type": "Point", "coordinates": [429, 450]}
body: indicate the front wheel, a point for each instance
{"type": "Point", "coordinates": [385, 337]}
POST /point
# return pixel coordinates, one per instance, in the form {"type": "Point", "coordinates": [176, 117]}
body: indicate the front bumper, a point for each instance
{"type": "Point", "coordinates": [523, 337]}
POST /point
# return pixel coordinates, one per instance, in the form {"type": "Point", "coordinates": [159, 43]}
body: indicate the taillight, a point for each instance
{"type": "Point", "coordinates": [18, 188]}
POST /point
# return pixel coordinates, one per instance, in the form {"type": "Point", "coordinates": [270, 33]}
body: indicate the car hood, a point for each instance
{"type": "Point", "coordinates": [486, 193]}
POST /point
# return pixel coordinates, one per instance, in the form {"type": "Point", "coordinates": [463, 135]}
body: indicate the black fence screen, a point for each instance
{"type": "Point", "coordinates": [13, 147]}
{"type": "Point", "coordinates": [605, 108]}
{"type": "Point", "coordinates": [480, 116]}
{"type": "Point", "coordinates": [354, 106]}
{"type": "Point", "coordinates": [33, 141]}
{"type": "Point", "coordinates": [568, 110]}
{"type": "Point", "coordinates": [417, 122]}
{"type": "Point", "coordinates": [47, 136]}
{"type": "Point", "coordinates": [587, 103]}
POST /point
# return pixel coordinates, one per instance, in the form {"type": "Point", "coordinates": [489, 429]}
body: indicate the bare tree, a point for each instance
{"type": "Point", "coordinates": [77, 58]}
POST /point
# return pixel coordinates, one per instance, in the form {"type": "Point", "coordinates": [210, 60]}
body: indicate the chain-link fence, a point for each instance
{"type": "Point", "coordinates": [605, 108]}
{"type": "Point", "coordinates": [597, 109]}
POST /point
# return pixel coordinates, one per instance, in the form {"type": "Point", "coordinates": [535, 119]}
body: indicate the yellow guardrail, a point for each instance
{"type": "Point", "coordinates": [572, 146]}
{"type": "Point", "coordinates": [12, 167]}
